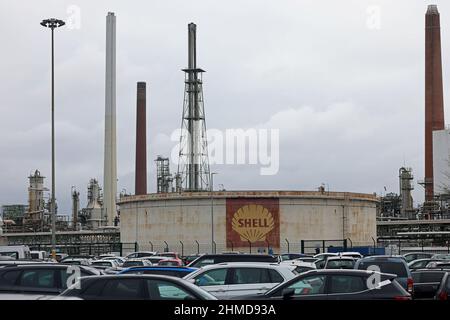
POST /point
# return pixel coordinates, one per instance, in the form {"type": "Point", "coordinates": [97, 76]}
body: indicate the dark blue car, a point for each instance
{"type": "Point", "coordinates": [178, 272]}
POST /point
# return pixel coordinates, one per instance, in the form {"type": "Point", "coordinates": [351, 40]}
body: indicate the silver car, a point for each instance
{"type": "Point", "coordinates": [228, 280]}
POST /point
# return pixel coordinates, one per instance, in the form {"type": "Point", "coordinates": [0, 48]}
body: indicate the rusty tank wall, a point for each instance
{"type": "Point", "coordinates": [276, 220]}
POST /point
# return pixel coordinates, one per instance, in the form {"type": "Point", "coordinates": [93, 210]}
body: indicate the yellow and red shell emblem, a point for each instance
{"type": "Point", "coordinates": [253, 222]}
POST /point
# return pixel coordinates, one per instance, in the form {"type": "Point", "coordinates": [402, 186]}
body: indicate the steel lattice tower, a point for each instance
{"type": "Point", "coordinates": [193, 163]}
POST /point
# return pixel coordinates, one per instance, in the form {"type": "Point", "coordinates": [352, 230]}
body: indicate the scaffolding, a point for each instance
{"type": "Point", "coordinates": [164, 179]}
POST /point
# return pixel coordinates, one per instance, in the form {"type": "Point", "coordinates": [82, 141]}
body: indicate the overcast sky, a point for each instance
{"type": "Point", "coordinates": [344, 86]}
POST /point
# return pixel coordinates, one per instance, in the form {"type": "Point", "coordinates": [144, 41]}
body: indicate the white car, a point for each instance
{"type": "Point", "coordinates": [300, 266]}
{"type": "Point", "coordinates": [118, 260]}
{"type": "Point", "coordinates": [354, 255]}
{"type": "Point", "coordinates": [104, 264]}
{"type": "Point", "coordinates": [227, 280]}
{"type": "Point", "coordinates": [140, 254]}
{"type": "Point", "coordinates": [325, 255]}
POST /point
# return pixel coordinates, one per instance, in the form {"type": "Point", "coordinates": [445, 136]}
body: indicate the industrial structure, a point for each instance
{"type": "Point", "coordinates": [164, 179]}
{"type": "Point", "coordinates": [91, 217]}
{"type": "Point", "coordinates": [141, 140]}
{"type": "Point", "coordinates": [441, 162]}
{"type": "Point", "coordinates": [195, 216]}
{"type": "Point", "coordinates": [75, 208]}
{"type": "Point", "coordinates": [193, 163]}
{"type": "Point", "coordinates": [187, 215]}
{"type": "Point", "coordinates": [434, 98]}
{"type": "Point", "coordinates": [246, 220]}
{"type": "Point", "coordinates": [110, 157]}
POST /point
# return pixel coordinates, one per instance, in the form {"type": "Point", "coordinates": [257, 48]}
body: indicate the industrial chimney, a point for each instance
{"type": "Point", "coordinates": [110, 157]}
{"type": "Point", "coordinates": [434, 101]}
{"type": "Point", "coordinates": [141, 142]}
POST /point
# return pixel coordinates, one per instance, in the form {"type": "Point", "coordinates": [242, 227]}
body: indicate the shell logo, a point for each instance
{"type": "Point", "coordinates": [253, 222]}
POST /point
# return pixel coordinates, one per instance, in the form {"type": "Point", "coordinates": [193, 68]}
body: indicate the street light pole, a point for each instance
{"type": "Point", "coordinates": [212, 211]}
{"type": "Point", "coordinates": [53, 24]}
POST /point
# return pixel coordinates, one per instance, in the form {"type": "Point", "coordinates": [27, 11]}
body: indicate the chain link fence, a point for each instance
{"type": "Point", "coordinates": [185, 248]}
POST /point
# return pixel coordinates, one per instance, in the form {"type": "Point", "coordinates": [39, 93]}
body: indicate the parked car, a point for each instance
{"type": "Point", "coordinates": [170, 262]}
{"type": "Point", "coordinates": [136, 263]}
{"type": "Point", "coordinates": [45, 279]}
{"type": "Point", "coordinates": [390, 264]}
{"type": "Point", "coordinates": [140, 254]}
{"type": "Point", "coordinates": [172, 256]}
{"type": "Point", "coordinates": [136, 287]}
{"type": "Point", "coordinates": [333, 284]}
{"type": "Point", "coordinates": [104, 264]}
{"type": "Point", "coordinates": [232, 279]}
{"type": "Point", "coordinates": [154, 260]}
{"type": "Point", "coordinates": [16, 252]}
{"type": "Point", "coordinates": [208, 259]}
{"type": "Point", "coordinates": [355, 255]}
{"type": "Point", "coordinates": [292, 256]}
{"type": "Point", "coordinates": [23, 261]}
{"type": "Point", "coordinates": [38, 255]}
{"type": "Point", "coordinates": [179, 272]}
{"type": "Point", "coordinates": [118, 260]}
{"type": "Point", "coordinates": [411, 256]}
{"type": "Point", "coordinates": [443, 291]}
{"type": "Point", "coordinates": [307, 259]}
{"type": "Point", "coordinates": [438, 265]}
{"type": "Point", "coordinates": [325, 255]}
{"type": "Point", "coordinates": [190, 258]}
{"type": "Point", "coordinates": [322, 259]}
{"type": "Point", "coordinates": [300, 266]}
{"type": "Point", "coordinates": [427, 282]}
{"type": "Point", "coordinates": [421, 263]}
{"type": "Point", "coordinates": [441, 256]}
{"type": "Point", "coordinates": [76, 261]}
{"type": "Point", "coordinates": [340, 262]}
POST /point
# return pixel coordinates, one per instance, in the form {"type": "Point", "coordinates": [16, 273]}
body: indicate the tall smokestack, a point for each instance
{"type": "Point", "coordinates": [110, 165]}
{"type": "Point", "coordinates": [141, 141]}
{"type": "Point", "coordinates": [434, 101]}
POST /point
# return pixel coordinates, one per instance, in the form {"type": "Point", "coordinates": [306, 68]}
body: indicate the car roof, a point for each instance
{"type": "Point", "coordinates": [430, 270]}
{"type": "Point", "coordinates": [383, 258]}
{"type": "Point", "coordinates": [239, 255]}
{"type": "Point", "coordinates": [131, 275]}
{"type": "Point", "coordinates": [174, 268]}
{"type": "Point", "coordinates": [340, 258]}
{"type": "Point", "coordinates": [347, 272]}
{"type": "Point", "coordinates": [247, 264]}
{"type": "Point", "coordinates": [135, 260]}
{"type": "Point", "coordinates": [419, 252]}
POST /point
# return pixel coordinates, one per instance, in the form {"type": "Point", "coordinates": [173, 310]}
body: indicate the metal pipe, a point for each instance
{"type": "Point", "coordinates": [198, 247]}
{"type": "Point", "coordinates": [151, 244]}
{"type": "Point", "coordinates": [212, 210]}
{"type": "Point", "coordinates": [167, 246]}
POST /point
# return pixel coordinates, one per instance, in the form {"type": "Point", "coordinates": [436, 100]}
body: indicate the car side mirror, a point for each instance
{"type": "Point", "coordinates": [288, 293]}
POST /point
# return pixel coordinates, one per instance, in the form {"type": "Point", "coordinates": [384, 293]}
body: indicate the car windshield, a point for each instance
{"type": "Point", "coordinates": [427, 276]}
{"type": "Point", "coordinates": [393, 267]}
{"type": "Point", "coordinates": [345, 264]}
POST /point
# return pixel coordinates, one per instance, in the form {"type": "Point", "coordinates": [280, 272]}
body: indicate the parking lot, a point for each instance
{"type": "Point", "coordinates": [151, 275]}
